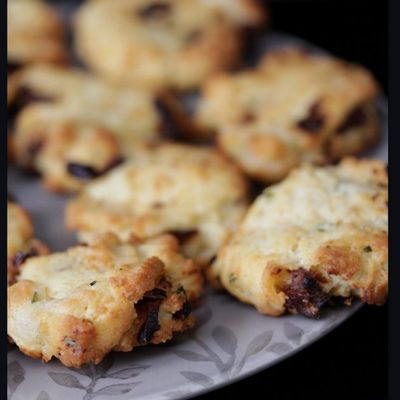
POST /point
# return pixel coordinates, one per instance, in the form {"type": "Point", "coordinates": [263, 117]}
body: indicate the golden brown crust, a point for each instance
{"type": "Point", "coordinates": [320, 233]}
{"type": "Point", "coordinates": [163, 43]}
{"type": "Point", "coordinates": [191, 192]}
{"type": "Point", "coordinates": [294, 107]}
{"type": "Point", "coordinates": [21, 243]}
{"type": "Point", "coordinates": [75, 127]}
{"type": "Point", "coordinates": [108, 295]}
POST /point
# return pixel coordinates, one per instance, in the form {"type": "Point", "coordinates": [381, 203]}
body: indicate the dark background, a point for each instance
{"type": "Point", "coordinates": [351, 361]}
{"type": "Point", "coordinates": [355, 30]}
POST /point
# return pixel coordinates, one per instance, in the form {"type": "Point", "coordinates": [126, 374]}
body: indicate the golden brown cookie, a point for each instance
{"type": "Point", "coordinates": [320, 234]}
{"type": "Point", "coordinates": [293, 107]}
{"type": "Point", "coordinates": [74, 127]}
{"type": "Point", "coordinates": [163, 43]}
{"type": "Point", "coordinates": [191, 192]}
{"type": "Point", "coordinates": [34, 34]}
{"type": "Point", "coordinates": [109, 295]}
{"type": "Point", "coordinates": [21, 243]}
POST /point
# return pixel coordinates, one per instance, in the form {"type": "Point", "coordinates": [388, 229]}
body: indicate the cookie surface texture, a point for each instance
{"type": "Point", "coordinates": [163, 43]}
{"type": "Point", "coordinates": [74, 127]}
{"type": "Point", "coordinates": [81, 304]}
{"type": "Point", "coordinates": [191, 192]}
{"type": "Point", "coordinates": [293, 107]}
{"type": "Point", "coordinates": [320, 234]}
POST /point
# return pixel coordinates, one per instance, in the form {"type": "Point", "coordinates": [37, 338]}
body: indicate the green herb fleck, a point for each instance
{"type": "Point", "coordinates": [367, 249]}
{"type": "Point", "coordinates": [323, 227]}
{"type": "Point", "coordinates": [92, 283]}
{"type": "Point", "coordinates": [268, 193]}
{"type": "Point", "coordinates": [35, 297]}
{"type": "Point", "coordinates": [232, 278]}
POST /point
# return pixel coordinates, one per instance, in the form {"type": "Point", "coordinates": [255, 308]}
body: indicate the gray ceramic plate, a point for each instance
{"type": "Point", "coordinates": [230, 342]}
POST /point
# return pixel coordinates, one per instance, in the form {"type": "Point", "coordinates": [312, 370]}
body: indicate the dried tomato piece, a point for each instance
{"type": "Point", "coordinates": [21, 256]}
{"type": "Point", "coordinates": [184, 235]}
{"type": "Point", "coordinates": [304, 295]}
{"type": "Point", "coordinates": [314, 120]}
{"type": "Point", "coordinates": [356, 118]}
{"type": "Point", "coordinates": [156, 10]}
{"type": "Point", "coordinates": [81, 171]}
{"type": "Point", "coordinates": [184, 312]}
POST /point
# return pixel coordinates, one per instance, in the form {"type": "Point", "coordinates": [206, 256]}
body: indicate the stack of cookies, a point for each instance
{"type": "Point", "coordinates": [164, 196]}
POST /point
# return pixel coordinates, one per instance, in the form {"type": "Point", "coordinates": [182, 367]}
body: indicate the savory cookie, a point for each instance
{"type": "Point", "coordinates": [21, 243]}
{"type": "Point", "coordinates": [163, 43]}
{"type": "Point", "coordinates": [74, 126]}
{"type": "Point", "coordinates": [191, 192]}
{"type": "Point", "coordinates": [34, 34]}
{"type": "Point", "coordinates": [294, 107]}
{"type": "Point", "coordinates": [320, 234]}
{"type": "Point", "coordinates": [109, 295]}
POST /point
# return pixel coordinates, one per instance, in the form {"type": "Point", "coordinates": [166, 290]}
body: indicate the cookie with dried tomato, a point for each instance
{"type": "Point", "coordinates": [293, 107]}
{"type": "Point", "coordinates": [21, 241]}
{"type": "Point", "coordinates": [108, 295]}
{"type": "Point", "coordinates": [191, 192]}
{"type": "Point", "coordinates": [164, 43]}
{"type": "Point", "coordinates": [319, 235]}
{"type": "Point", "coordinates": [34, 34]}
{"type": "Point", "coordinates": [74, 126]}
